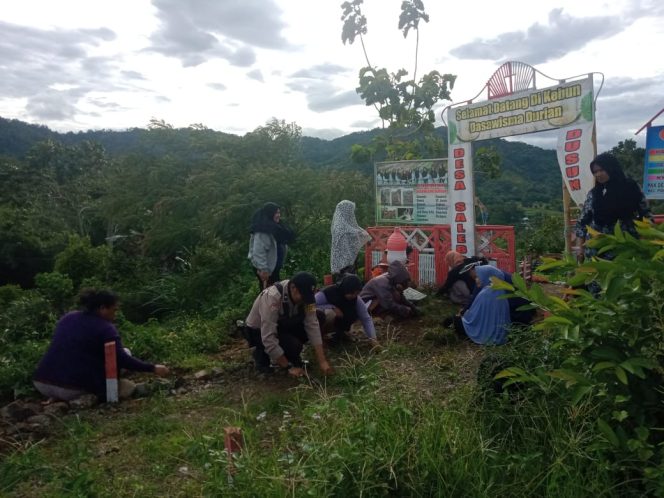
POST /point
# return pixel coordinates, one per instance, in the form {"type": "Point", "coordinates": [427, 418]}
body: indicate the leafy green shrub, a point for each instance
{"type": "Point", "coordinates": [545, 237]}
{"type": "Point", "coordinates": [610, 347]}
{"type": "Point", "coordinates": [29, 317]}
{"type": "Point", "coordinates": [26, 323]}
{"type": "Point", "coordinates": [57, 288]}
{"type": "Point", "coordinates": [17, 364]}
{"type": "Point", "coordinates": [79, 260]}
{"type": "Point", "coordinates": [174, 341]}
{"type": "Point", "coordinates": [9, 293]}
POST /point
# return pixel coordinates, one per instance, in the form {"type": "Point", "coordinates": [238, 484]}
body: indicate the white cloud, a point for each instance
{"type": "Point", "coordinates": [115, 64]}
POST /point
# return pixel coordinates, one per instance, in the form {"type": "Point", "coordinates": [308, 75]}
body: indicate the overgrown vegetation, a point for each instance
{"type": "Point", "coordinates": [167, 230]}
{"type": "Point", "coordinates": [165, 225]}
{"type": "Point", "coordinates": [605, 349]}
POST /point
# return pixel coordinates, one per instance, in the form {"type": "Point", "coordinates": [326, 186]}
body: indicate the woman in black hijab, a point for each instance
{"type": "Point", "coordinates": [342, 307]}
{"type": "Point", "coordinates": [268, 243]}
{"type": "Point", "coordinates": [615, 198]}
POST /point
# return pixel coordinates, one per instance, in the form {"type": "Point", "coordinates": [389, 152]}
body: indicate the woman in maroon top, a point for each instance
{"type": "Point", "coordinates": [74, 362]}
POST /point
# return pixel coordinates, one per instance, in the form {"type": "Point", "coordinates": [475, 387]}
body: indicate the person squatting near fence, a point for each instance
{"type": "Point", "coordinates": [488, 318]}
{"type": "Point", "coordinates": [74, 363]}
{"type": "Point", "coordinates": [268, 243]}
{"type": "Point", "coordinates": [348, 238]}
{"type": "Point", "coordinates": [459, 285]}
{"type": "Point", "coordinates": [282, 318]}
{"type": "Point", "coordinates": [614, 198]}
{"type": "Point", "coordinates": [515, 303]}
{"type": "Point", "coordinates": [384, 294]}
{"type": "Point", "coordinates": [342, 307]}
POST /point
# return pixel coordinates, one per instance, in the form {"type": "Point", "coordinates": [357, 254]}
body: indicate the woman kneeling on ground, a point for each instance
{"type": "Point", "coordinates": [488, 318]}
{"type": "Point", "coordinates": [342, 306]}
{"type": "Point", "coordinates": [74, 362]}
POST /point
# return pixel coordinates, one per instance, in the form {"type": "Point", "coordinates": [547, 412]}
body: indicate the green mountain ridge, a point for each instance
{"type": "Point", "coordinates": [529, 179]}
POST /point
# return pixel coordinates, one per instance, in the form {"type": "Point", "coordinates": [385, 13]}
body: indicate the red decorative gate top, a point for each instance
{"type": "Point", "coordinates": [509, 78]}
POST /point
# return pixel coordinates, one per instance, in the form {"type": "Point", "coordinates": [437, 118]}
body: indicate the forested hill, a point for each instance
{"type": "Point", "coordinates": [529, 179]}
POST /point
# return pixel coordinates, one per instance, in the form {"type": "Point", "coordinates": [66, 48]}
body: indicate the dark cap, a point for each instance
{"type": "Point", "coordinates": [305, 283]}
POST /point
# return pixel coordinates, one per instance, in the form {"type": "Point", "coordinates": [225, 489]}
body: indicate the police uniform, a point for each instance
{"type": "Point", "coordinates": [276, 326]}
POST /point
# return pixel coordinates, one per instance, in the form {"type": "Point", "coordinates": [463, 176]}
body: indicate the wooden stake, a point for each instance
{"type": "Point", "coordinates": [234, 442]}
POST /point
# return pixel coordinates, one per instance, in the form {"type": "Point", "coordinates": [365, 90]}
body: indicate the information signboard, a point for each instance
{"type": "Point", "coordinates": [412, 192]}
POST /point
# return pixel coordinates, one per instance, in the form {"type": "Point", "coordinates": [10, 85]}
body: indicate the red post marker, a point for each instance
{"type": "Point", "coordinates": [327, 280]}
{"type": "Point", "coordinates": [233, 441]}
{"type": "Point", "coordinates": [111, 365]}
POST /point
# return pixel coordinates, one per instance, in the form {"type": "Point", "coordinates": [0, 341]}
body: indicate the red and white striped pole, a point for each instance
{"type": "Point", "coordinates": [111, 365]}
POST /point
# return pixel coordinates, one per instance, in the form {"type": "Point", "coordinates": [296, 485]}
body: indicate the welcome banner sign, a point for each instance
{"type": "Point", "coordinates": [524, 112]}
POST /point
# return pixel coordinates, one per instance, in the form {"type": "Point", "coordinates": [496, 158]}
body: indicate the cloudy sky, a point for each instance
{"type": "Point", "coordinates": [233, 64]}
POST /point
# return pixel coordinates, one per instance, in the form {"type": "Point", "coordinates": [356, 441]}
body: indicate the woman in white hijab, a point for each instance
{"type": "Point", "coordinates": [347, 239]}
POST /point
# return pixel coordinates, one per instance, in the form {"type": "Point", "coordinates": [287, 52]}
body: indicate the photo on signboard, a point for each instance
{"type": "Point", "coordinates": [388, 213]}
{"type": "Point", "coordinates": [405, 214]}
{"type": "Point", "coordinates": [407, 197]}
{"type": "Point", "coordinates": [396, 197]}
{"type": "Point", "coordinates": [385, 196]}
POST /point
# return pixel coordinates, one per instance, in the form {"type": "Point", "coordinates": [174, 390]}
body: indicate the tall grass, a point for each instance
{"type": "Point", "coordinates": [358, 442]}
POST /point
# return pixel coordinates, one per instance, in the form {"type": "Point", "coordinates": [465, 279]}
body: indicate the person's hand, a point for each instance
{"type": "Point", "coordinates": [326, 368]}
{"type": "Point", "coordinates": [264, 275]}
{"type": "Point", "coordinates": [161, 370]}
{"type": "Point", "coordinates": [296, 372]}
{"type": "Point", "coordinates": [338, 313]}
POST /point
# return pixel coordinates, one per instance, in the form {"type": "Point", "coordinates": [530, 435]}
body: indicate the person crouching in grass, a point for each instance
{"type": "Point", "coordinates": [282, 318]}
{"type": "Point", "coordinates": [74, 363]}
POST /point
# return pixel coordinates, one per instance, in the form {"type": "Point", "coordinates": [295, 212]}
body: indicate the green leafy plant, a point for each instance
{"type": "Point", "coordinates": [609, 345]}
{"type": "Point", "coordinates": [404, 103]}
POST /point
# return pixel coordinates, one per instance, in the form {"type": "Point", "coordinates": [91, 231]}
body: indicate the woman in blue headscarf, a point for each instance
{"type": "Point", "coordinates": [488, 318]}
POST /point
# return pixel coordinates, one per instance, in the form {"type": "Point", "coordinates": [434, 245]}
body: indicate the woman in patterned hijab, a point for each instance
{"type": "Point", "coordinates": [347, 239]}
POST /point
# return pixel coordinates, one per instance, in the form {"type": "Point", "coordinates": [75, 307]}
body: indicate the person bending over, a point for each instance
{"type": "Point", "coordinates": [488, 318]}
{"type": "Point", "coordinates": [74, 363]}
{"type": "Point", "coordinates": [343, 307]}
{"type": "Point", "coordinates": [459, 285]}
{"type": "Point", "coordinates": [384, 294]}
{"type": "Point", "coordinates": [282, 318]}
{"type": "Point", "coordinates": [517, 315]}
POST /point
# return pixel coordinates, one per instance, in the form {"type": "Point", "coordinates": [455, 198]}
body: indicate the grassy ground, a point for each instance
{"type": "Point", "coordinates": [403, 421]}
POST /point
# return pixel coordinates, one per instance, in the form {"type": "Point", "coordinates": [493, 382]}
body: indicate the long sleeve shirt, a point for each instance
{"type": "Point", "coordinates": [269, 307]}
{"type": "Point", "coordinates": [360, 307]}
{"type": "Point", "coordinates": [380, 288]}
{"type": "Point", "coordinates": [76, 359]}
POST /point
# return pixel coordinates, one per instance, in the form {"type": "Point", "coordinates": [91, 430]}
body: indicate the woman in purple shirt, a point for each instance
{"type": "Point", "coordinates": [74, 362]}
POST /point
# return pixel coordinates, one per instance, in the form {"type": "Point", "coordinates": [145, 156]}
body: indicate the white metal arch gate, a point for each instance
{"type": "Point", "coordinates": [515, 106]}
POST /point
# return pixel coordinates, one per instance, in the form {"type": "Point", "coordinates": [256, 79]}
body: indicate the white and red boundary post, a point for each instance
{"type": "Point", "coordinates": [111, 365]}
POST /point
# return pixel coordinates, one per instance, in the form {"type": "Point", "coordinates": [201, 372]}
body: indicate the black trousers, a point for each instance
{"type": "Point", "coordinates": [274, 277]}
{"type": "Point", "coordinates": [292, 338]}
{"type": "Point", "coordinates": [458, 326]}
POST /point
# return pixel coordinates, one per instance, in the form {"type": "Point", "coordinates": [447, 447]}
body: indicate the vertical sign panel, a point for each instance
{"type": "Point", "coordinates": [462, 199]}
{"type": "Point", "coordinates": [653, 171]}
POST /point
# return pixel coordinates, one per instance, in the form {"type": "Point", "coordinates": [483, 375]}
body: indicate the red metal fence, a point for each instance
{"type": "Point", "coordinates": [431, 243]}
